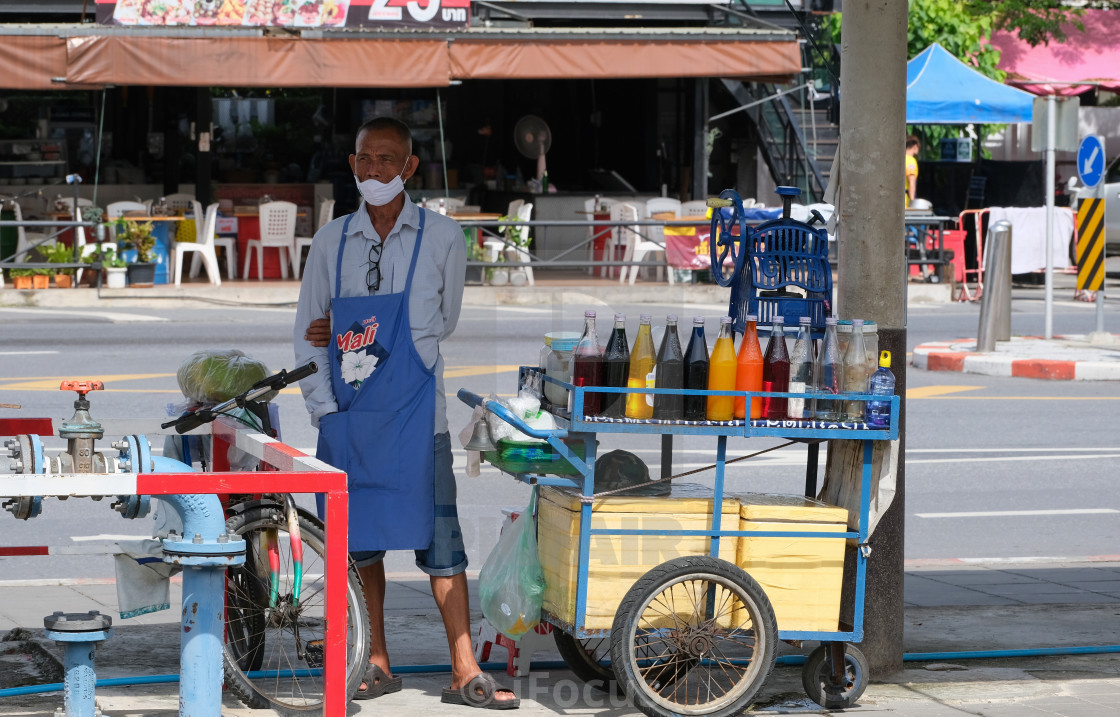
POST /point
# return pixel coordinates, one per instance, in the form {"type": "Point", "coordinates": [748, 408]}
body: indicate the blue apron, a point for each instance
{"type": "Point", "coordinates": [382, 433]}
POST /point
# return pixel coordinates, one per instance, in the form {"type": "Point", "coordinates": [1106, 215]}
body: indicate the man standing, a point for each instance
{"type": "Point", "coordinates": [913, 146]}
{"type": "Point", "coordinates": [390, 280]}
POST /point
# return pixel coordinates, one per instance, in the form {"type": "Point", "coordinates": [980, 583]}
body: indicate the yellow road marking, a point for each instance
{"type": "Point", "coordinates": [933, 391]}
{"type": "Point", "coordinates": [464, 371]}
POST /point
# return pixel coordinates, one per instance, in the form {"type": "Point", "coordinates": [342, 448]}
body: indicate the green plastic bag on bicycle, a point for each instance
{"type": "Point", "coordinates": [511, 583]}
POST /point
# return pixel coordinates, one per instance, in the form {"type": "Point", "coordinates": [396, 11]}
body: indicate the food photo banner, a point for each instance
{"type": "Point", "coordinates": [286, 13]}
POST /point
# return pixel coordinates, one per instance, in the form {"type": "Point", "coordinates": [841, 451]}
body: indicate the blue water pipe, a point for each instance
{"type": "Point", "coordinates": [78, 634]}
{"type": "Point", "coordinates": [789, 660]}
{"type": "Point", "coordinates": [204, 551]}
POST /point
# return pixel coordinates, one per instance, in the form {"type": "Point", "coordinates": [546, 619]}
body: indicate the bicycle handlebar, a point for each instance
{"type": "Point", "coordinates": [275, 382]}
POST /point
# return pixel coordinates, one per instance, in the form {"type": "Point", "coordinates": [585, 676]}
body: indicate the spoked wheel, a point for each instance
{"type": "Point", "coordinates": [816, 676]}
{"type": "Point", "coordinates": [274, 655]}
{"type": "Point", "coordinates": [588, 659]}
{"type": "Point", "coordinates": [694, 636]}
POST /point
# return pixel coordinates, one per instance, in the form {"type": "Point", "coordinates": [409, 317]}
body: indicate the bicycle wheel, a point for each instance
{"type": "Point", "coordinates": [588, 659]}
{"type": "Point", "coordinates": [694, 636]}
{"type": "Point", "coordinates": [274, 655]}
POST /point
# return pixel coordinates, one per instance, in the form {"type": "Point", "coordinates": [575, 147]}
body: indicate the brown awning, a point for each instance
{"type": "Point", "coordinates": [85, 56]}
{"type": "Point", "coordinates": [257, 61]}
{"type": "Point", "coordinates": [30, 61]}
{"type": "Point", "coordinates": [543, 59]}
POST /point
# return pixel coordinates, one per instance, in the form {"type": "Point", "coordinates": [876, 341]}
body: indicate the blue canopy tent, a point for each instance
{"type": "Point", "coordinates": [940, 89]}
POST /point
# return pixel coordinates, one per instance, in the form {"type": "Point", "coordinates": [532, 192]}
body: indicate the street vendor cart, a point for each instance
{"type": "Point", "coordinates": [692, 591]}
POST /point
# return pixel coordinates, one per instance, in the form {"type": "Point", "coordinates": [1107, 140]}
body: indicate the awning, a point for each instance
{"type": "Point", "coordinates": [31, 61]}
{"type": "Point", "coordinates": [940, 89]}
{"type": "Point", "coordinates": [1085, 58]}
{"type": "Point", "coordinates": [256, 62]}
{"type": "Point", "coordinates": [546, 58]}
{"type": "Point", "coordinates": [40, 57]}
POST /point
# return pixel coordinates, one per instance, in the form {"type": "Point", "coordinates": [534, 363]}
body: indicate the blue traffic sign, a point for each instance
{"type": "Point", "coordinates": [1090, 161]}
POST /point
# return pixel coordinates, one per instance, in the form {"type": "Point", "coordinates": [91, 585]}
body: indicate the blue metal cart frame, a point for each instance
{"type": "Point", "coordinates": [586, 429]}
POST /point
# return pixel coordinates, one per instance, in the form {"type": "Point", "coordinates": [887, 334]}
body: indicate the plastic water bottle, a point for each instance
{"type": "Point", "coordinates": [882, 384]}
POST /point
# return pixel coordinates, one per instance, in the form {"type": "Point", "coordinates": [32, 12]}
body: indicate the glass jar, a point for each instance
{"type": "Point", "coordinates": [870, 338]}
{"type": "Point", "coordinates": [559, 367]}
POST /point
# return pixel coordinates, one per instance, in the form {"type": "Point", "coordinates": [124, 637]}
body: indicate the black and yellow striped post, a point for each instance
{"type": "Point", "coordinates": [1090, 244]}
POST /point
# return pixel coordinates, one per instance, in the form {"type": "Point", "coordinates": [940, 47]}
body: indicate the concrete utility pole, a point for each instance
{"type": "Point", "coordinates": [872, 271]}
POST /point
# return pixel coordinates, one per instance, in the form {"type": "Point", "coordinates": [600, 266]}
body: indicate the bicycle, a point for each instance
{"type": "Point", "coordinates": [275, 622]}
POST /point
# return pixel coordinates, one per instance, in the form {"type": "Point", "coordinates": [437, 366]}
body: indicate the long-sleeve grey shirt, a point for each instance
{"type": "Point", "coordinates": [434, 304]}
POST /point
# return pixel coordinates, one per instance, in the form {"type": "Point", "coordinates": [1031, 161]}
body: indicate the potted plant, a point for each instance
{"type": "Point", "coordinates": [114, 269]}
{"type": "Point", "coordinates": [21, 278]}
{"type": "Point", "coordinates": [59, 253]}
{"type": "Point", "coordinates": [40, 278]}
{"type": "Point", "coordinates": [138, 236]}
{"type": "Point", "coordinates": [517, 242]}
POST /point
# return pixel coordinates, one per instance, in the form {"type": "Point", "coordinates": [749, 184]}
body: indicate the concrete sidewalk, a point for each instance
{"type": "Point", "coordinates": [950, 607]}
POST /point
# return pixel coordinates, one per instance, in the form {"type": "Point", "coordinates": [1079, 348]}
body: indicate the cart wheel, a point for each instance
{"type": "Point", "coordinates": [694, 636]}
{"type": "Point", "coordinates": [816, 676]}
{"type": "Point", "coordinates": [590, 659]}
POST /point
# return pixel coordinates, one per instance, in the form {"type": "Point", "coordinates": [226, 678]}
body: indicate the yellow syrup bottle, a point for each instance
{"type": "Point", "coordinates": [721, 374]}
{"type": "Point", "coordinates": [640, 405]}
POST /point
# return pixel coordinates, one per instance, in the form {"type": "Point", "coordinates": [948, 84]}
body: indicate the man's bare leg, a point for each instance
{"type": "Point", "coordinates": [373, 586]}
{"type": "Point", "coordinates": [452, 599]}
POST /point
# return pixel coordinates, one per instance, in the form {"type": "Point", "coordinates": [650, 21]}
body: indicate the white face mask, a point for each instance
{"type": "Point", "coordinates": [379, 194]}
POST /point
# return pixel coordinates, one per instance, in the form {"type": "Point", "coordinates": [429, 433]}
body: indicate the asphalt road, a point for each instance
{"type": "Point", "coordinates": [996, 467]}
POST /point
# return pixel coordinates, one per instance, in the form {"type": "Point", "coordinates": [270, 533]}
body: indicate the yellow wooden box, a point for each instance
{"type": "Point", "coordinates": [616, 562]}
{"type": "Point", "coordinates": [802, 577]}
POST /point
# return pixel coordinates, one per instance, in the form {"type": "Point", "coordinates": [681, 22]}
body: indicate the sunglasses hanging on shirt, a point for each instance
{"type": "Point", "coordinates": [373, 275]}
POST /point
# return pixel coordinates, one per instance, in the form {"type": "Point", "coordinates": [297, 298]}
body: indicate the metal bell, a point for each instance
{"type": "Point", "coordinates": [480, 440]}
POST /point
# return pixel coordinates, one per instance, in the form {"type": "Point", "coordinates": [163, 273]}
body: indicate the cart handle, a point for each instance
{"type": "Point", "coordinates": [473, 399]}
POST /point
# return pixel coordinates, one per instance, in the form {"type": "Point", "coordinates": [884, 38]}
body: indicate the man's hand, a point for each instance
{"type": "Point", "coordinates": [318, 333]}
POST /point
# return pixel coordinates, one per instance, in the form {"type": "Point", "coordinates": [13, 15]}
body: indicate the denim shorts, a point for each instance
{"type": "Point", "coordinates": [446, 556]}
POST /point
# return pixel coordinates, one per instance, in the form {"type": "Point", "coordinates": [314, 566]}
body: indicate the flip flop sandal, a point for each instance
{"type": "Point", "coordinates": [377, 684]}
{"type": "Point", "coordinates": [479, 692]}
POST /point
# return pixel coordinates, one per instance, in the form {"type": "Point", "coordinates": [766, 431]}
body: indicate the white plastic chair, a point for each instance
{"type": "Point", "coordinates": [179, 201]}
{"type": "Point", "coordinates": [24, 240]}
{"type": "Point", "coordinates": [203, 246]}
{"type": "Point", "coordinates": [278, 231]}
{"type": "Point", "coordinates": [634, 238]}
{"type": "Point", "coordinates": [85, 248]}
{"type": "Point", "coordinates": [326, 214]}
{"type": "Point", "coordinates": [118, 209]}
{"type": "Point", "coordinates": [694, 208]}
{"type": "Point", "coordinates": [524, 213]}
{"type": "Point", "coordinates": [663, 204]}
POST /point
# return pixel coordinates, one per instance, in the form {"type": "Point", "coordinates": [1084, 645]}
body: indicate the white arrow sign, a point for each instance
{"type": "Point", "coordinates": [1091, 160]}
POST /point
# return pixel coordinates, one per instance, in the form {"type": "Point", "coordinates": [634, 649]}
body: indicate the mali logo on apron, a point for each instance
{"type": "Point", "coordinates": [359, 353]}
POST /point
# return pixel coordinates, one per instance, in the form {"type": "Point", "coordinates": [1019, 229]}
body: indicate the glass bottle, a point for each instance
{"type": "Point", "coordinates": [721, 374]}
{"type": "Point", "coordinates": [587, 364]}
{"type": "Point", "coordinates": [748, 372]}
{"type": "Point", "coordinates": [616, 368]}
{"type": "Point", "coordinates": [696, 372]}
{"type": "Point", "coordinates": [827, 367]}
{"type": "Point", "coordinates": [640, 405]}
{"type": "Point", "coordinates": [856, 372]}
{"type": "Point", "coordinates": [669, 374]}
{"type": "Point", "coordinates": [775, 371]}
{"type": "Point", "coordinates": [801, 370]}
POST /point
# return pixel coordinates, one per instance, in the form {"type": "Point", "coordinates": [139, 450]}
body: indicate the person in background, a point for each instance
{"type": "Point", "coordinates": [913, 147]}
{"type": "Point", "coordinates": [389, 279]}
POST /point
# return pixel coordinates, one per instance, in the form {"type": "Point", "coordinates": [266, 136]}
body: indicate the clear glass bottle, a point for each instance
{"type": "Point", "coordinates": [827, 367]}
{"type": "Point", "coordinates": [856, 372]}
{"type": "Point", "coordinates": [721, 374]}
{"type": "Point", "coordinates": [775, 371]}
{"type": "Point", "coordinates": [801, 370]}
{"type": "Point", "coordinates": [587, 365]}
{"type": "Point", "coordinates": [616, 368]}
{"type": "Point", "coordinates": [640, 405]}
{"type": "Point", "coordinates": [669, 374]}
{"type": "Point", "coordinates": [882, 384]}
{"type": "Point", "coordinates": [696, 372]}
{"type": "Point", "coordinates": [748, 372]}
